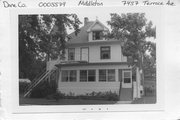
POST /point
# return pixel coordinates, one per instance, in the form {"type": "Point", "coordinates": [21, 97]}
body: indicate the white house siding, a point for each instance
{"type": "Point", "coordinates": [79, 88]}
{"type": "Point", "coordinates": [95, 53]}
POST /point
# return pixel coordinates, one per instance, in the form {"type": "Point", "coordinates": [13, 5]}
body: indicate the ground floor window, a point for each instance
{"type": "Point", "coordinates": [127, 76]}
{"type": "Point", "coordinates": [87, 75]}
{"type": "Point", "coordinates": [106, 75]}
{"type": "Point", "coordinates": [68, 75]}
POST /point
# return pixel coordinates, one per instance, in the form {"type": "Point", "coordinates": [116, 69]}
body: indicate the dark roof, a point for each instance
{"type": "Point", "coordinates": [82, 36]}
{"type": "Point", "coordinates": [87, 64]}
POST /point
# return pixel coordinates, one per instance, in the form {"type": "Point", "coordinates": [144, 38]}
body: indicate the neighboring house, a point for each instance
{"type": "Point", "coordinates": [93, 63]}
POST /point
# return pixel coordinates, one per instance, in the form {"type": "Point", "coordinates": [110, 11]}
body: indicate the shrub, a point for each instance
{"type": "Point", "coordinates": [58, 95]}
{"type": "Point", "coordinates": [43, 90]}
{"type": "Point", "coordinates": [88, 96]}
{"type": "Point", "coordinates": [112, 96]}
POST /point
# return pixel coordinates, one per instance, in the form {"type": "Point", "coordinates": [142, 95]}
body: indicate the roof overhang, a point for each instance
{"type": "Point", "coordinates": [102, 42]}
{"type": "Point", "coordinates": [91, 64]}
{"type": "Point", "coordinates": [104, 28]}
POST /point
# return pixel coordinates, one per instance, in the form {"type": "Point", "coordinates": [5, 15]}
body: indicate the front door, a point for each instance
{"type": "Point", "coordinates": [126, 79]}
{"type": "Point", "coordinates": [85, 54]}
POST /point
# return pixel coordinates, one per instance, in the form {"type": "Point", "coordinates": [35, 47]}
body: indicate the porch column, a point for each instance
{"type": "Point", "coordinates": [116, 75]}
{"type": "Point", "coordinates": [78, 76]}
{"type": "Point", "coordinates": [97, 75]}
{"type": "Point", "coordinates": [59, 80]}
{"type": "Point", "coordinates": [138, 83]}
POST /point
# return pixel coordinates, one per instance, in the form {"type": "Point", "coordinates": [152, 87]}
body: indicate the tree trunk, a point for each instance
{"type": "Point", "coordinates": [141, 69]}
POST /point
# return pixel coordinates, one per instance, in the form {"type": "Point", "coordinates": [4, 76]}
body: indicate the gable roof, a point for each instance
{"type": "Point", "coordinates": [92, 27]}
{"type": "Point", "coordinates": [82, 36]}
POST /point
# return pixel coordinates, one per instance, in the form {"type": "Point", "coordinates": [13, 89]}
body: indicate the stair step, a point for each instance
{"type": "Point", "coordinates": [126, 94]}
{"type": "Point", "coordinates": [39, 79]}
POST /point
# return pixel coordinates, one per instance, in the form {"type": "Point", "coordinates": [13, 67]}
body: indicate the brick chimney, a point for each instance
{"type": "Point", "coordinates": [86, 20]}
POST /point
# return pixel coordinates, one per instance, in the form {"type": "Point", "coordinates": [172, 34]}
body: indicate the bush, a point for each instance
{"type": "Point", "coordinates": [110, 96]}
{"type": "Point", "coordinates": [43, 90]}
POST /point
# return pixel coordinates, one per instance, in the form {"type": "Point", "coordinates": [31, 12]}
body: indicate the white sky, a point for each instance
{"type": "Point", "coordinates": [103, 15]}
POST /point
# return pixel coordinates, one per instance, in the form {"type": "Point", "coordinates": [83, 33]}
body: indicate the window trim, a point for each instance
{"type": "Point", "coordinates": [68, 75]}
{"type": "Point", "coordinates": [69, 52]}
{"type": "Point", "coordinates": [107, 75]}
{"type": "Point", "coordinates": [87, 77]}
{"type": "Point", "coordinates": [81, 53]}
{"type": "Point", "coordinates": [102, 51]}
{"type": "Point", "coordinates": [94, 34]}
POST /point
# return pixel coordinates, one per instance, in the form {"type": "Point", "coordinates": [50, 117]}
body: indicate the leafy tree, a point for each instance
{"type": "Point", "coordinates": [42, 37]}
{"type": "Point", "coordinates": [133, 29]}
{"type": "Point", "coordinates": [150, 61]}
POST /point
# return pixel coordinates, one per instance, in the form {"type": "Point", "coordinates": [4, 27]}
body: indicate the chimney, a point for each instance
{"type": "Point", "coordinates": [86, 20]}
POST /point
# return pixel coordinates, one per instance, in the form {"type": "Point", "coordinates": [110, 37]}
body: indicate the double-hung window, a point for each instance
{"type": "Point", "coordinates": [105, 52]}
{"type": "Point", "coordinates": [87, 75]}
{"type": "Point", "coordinates": [68, 75]}
{"type": "Point", "coordinates": [106, 75]}
{"type": "Point", "coordinates": [71, 54]}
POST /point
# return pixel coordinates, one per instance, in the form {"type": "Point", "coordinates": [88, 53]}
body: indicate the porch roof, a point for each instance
{"type": "Point", "coordinates": [89, 64]}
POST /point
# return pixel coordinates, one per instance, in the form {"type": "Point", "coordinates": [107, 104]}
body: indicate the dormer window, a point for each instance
{"type": "Point", "coordinates": [97, 35]}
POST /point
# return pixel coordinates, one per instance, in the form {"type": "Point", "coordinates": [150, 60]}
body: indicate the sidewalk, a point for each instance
{"type": "Point", "coordinates": [145, 100]}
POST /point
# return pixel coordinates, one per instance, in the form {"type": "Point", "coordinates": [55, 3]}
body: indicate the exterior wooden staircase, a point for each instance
{"type": "Point", "coordinates": [41, 77]}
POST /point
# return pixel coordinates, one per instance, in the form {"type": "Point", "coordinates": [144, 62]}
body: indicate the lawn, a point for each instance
{"type": "Point", "coordinates": [145, 100]}
{"type": "Point", "coordinates": [43, 101]}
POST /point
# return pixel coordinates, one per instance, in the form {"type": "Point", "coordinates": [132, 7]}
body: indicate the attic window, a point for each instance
{"type": "Point", "coordinates": [97, 35]}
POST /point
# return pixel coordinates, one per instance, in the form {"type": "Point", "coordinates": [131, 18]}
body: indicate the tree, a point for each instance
{"type": "Point", "coordinates": [42, 36]}
{"type": "Point", "coordinates": [133, 29]}
{"type": "Point", "coordinates": [150, 61]}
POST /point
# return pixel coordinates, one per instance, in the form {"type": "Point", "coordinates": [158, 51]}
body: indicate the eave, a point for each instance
{"type": "Point", "coordinates": [90, 64]}
{"type": "Point", "coordinates": [103, 42]}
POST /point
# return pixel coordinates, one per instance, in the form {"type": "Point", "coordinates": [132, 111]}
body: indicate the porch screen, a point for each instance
{"type": "Point", "coordinates": [91, 75]}
{"type": "Point", "coordinates": [102, 75]}
{"type": "Point", "coordinates": [107, 75]}
{"type": "Point", "coordinates": [83, 75]}
{"type": "Point", "coordinates": [111, 75]}
{"type": "Point", "coordinates": [64, 77]}
{"type": "Point", "coordinates": [68, 76]}
{"type": "Point", "coordinates": [87, 75]}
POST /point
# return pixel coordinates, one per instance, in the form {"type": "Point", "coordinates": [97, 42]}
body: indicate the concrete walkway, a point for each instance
{"type": "Point", "coordinates": [145, 100]}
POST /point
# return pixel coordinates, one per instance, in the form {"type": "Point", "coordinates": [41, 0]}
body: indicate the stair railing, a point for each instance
{"type": "Point", "coordinates": [37, 80]}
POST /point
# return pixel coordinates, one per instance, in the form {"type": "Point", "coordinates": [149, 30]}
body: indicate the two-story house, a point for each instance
{"type": "Point", "coordinates": [93, 63]}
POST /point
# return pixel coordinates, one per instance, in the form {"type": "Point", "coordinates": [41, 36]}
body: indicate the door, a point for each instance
{"type": "Point", "coordinates": [126, 79]}
{"type": "Point", "coordinates": [85, 54]}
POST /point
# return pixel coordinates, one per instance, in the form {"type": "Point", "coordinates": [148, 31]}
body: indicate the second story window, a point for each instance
{"type": "Point", "coordinates": [105, 52]}
{"type": "Point", "coordinates": [71, 54]}
{"type": "Point", "coordinates": [97, 35]}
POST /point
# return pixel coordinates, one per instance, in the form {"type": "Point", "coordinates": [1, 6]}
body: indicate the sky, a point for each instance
{"type": "Point", "coordinates": [103, 15]}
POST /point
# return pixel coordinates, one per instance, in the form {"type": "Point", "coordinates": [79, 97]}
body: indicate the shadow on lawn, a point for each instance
{"type": "Point", "coordinates": [41, 101]}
